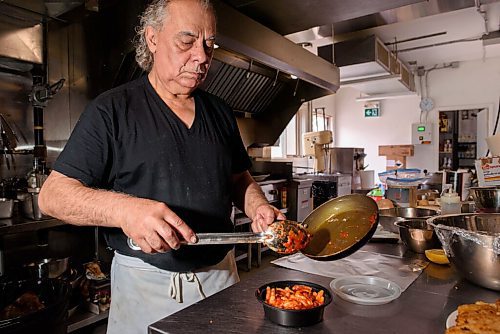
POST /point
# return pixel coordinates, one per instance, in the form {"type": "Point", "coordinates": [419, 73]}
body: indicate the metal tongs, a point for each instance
{"type": "Point", "coordinates": [283, 236]}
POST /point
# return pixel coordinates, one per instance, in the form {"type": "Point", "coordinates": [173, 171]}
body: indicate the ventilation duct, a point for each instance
{"type": "Point", "coordinates": [369, 66]}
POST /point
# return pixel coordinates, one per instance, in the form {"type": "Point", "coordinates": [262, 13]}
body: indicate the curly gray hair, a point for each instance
{"type": "Point", "coordinates": [154, 16]}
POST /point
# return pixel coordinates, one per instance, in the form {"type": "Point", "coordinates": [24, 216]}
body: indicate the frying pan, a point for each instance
{"type": "Point", "coordinates": [340, 226]}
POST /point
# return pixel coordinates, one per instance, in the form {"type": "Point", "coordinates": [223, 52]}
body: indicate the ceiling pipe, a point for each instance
{"type": "Point", "coordinates": [484, 15]}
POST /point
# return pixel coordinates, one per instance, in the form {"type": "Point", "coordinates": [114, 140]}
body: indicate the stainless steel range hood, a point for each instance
{"type": "Point", "coordinates": [252, 72]}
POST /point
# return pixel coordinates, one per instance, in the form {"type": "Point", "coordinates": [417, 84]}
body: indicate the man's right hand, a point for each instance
{"type": "Point", "coordinates": [150, 224]}
{"type": "Point", "coordinates": [154, 227]}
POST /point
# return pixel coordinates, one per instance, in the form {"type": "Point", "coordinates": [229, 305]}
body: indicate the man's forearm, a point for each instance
{"type": "Point", "coordinates": [248, 194]}
{"type": "Point", "coordinates": [68, 200]}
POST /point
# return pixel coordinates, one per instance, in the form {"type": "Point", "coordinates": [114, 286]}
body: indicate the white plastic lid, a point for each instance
{"type": "Point", "coordinates": [365, 290]}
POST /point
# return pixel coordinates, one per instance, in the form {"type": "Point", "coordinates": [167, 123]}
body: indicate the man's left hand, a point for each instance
{"type": "Point", "coordinates": [265, 215]}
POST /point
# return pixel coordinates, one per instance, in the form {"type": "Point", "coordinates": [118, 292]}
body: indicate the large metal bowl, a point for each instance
{"type": "Point", "coordinates": [472, 244]}
{"type": "Point", "coordinates": [417, 236]}
{"type": "Point", "coordinates": [487, 199]}
{"type": "Point", "coordinates": [389, 217]}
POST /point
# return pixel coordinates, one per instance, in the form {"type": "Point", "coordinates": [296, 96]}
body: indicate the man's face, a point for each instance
{"type": "Point", "coordinates": [183, 48]}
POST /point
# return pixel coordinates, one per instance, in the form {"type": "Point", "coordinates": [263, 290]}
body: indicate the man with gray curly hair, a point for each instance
{"type": "Point", "coordinates": [155, 161]}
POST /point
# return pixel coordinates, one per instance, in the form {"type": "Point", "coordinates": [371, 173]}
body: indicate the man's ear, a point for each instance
{"type": "Point", "coordinates": [151, 38]}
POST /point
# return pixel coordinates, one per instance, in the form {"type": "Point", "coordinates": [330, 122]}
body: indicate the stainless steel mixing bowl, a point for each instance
{"type": "Point", "coordinates": [472, 244]}
{"type": "Point", "coordinates": [417, 236]}
{"type": "Point", "coordinates": [487, 199]}
{"type": "Point", "coordinates": [388, 217]}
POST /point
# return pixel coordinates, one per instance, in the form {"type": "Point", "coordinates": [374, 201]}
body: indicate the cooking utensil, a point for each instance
{"type": "Point", "coordinates": [6, 207]}
{"type": "Point", "coordinates": [283, 237]}
{"type": "Point", "coordinates": [293, 318]}
{"type": "Point", "coordinates": [471, 243]}
{"type": "Point", "coordinates": [388, 217]}
{"type": "Point", "coordinates": [29, 204]}
{"type": "Point", "coordinates": [417, 235]}
{"type": "Point", "coordinates": [487, 199]}
{"type": "Point", "coordinates": [48, 268]}
{"type": "Point", "coordinates": [340, 226]}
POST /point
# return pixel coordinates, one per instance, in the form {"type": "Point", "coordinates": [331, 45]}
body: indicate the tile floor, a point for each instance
{"type": "Point", "coordinates": [267, 257]}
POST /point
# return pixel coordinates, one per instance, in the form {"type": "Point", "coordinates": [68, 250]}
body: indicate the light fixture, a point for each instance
{"type": "Point", "coordinates": [294, 77]}
{"type": "Point", "coordinates": [387, 96]}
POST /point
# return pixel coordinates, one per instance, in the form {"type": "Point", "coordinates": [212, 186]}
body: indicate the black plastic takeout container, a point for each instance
{"type": "Point", "coordinates": [293, 318]}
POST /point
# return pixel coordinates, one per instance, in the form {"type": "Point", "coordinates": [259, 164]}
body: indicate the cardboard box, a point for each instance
{"type": "Point", "coordinates": [396, 150]}
{"type": "Point", "coordinates": [488, 171]}
{"type": "Point", "coordinates": [260, 152]}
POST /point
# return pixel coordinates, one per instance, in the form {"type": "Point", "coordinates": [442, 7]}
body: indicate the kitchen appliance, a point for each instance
{"type": "Point", "coordinates": [460, 182]}
{"type": "Point", "coordinates": [316, 145]}
{"type": "Point", "coordinates": [347, 160]}
{"type": "Point", "coordinates": [300, 199]}
{"type": "Point", "coordinates": [328, 186]}
{"type": "Point", "coordinates": [404, 196]}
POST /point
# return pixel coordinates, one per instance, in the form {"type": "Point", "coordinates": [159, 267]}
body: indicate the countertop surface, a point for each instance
{"type": "Point", "coordinates": [422, 308]}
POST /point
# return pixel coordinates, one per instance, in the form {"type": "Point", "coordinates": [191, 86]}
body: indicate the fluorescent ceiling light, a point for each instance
{"type": "Point", "coordinates": [388, 96]}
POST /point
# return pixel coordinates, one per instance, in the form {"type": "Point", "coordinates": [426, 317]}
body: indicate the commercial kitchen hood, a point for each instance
{"type": "Point", "coordinates": [369, 66]}
{"type": "Point", "coordinates": [253, 68]}
{"type": "Point", "coordinates": [21, 33]}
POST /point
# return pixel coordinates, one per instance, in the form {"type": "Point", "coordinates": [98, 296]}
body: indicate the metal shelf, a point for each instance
{"type": "Point", "coordinates": [84, 318]}
{"type": "Point", "coordinates": [20, 225]}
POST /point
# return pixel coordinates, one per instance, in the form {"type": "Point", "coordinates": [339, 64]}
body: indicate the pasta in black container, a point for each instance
{"type": "Point", "coordinates": [293, 318]}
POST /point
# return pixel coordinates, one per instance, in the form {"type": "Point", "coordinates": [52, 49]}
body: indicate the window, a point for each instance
{"type": "Point", "coordinates": [321, 121]}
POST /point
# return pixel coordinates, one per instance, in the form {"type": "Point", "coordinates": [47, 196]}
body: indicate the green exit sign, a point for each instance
{"type": "Point", "coordinates": [372, 109]}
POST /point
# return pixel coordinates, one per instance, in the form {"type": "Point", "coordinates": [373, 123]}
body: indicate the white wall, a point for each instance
{"type": "Point", "coordinates": [473, 84]}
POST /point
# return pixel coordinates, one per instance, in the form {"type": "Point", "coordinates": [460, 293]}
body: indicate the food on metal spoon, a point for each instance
{"type": "Point", "coordinates": [289, 237]}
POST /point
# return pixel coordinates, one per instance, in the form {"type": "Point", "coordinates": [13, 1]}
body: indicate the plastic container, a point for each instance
{"type": "Point", "coordinates": [293, 318]}
{"type": "Point", "coordinates": [365, 290]}
{"type": "Point", "coordinates": [450, 203]}
{"type": "Point", "coordinates": [401, 174]}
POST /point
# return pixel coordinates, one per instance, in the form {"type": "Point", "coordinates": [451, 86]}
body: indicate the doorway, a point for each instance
{"type": "Point", "coordinates": [459, 131]}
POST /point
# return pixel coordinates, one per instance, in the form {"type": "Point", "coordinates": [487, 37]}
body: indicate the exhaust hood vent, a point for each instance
{"type": "Point", "coordinates": [244, 91]}
{"type": "Point", "coordinates": [369, 66]}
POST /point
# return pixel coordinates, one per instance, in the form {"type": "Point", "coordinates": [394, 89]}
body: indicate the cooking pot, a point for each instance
{"type": "Point", "coordinates": [48, 268]}
{"type": "Point", "coordinates": [340, 226]}
{"type": "Point", "coordinates": [29, 204]}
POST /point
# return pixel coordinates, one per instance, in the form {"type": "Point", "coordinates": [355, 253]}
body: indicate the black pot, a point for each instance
{"type": "Point", "coordinates": [53, 293]}
{"type": "Point", "coordinates": [293, 318]}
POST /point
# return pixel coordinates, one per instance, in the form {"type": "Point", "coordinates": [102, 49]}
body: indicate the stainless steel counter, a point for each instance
{"type": "Point", "coordinates": [422, 308]}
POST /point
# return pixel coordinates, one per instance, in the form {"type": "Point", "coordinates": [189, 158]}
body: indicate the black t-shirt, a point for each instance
{"type": "Point", "coordinates": [128, 140]}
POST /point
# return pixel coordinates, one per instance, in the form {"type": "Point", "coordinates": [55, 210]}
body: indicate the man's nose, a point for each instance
{"type": "Point", "coordinates": [200, 53]}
